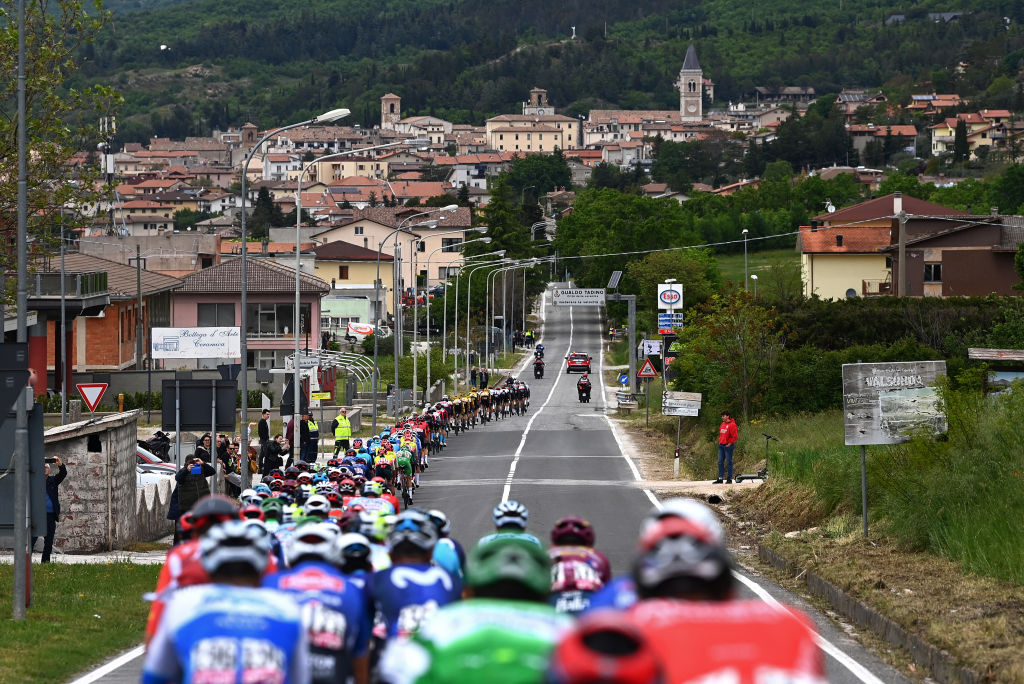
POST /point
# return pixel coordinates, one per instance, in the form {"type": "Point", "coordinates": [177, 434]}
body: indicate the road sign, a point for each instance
{"type": "Point", "coordinates": [593, 296]}
{"type": "Point", "coordinates": [671, 318]}
{"type": "Point", "coordinates": [650, 348]}
{"type": "Point", "coordinates": [624, 379]}
{"type": "Point", "coordinates": [320, 395]}
{"type": "Point", "coordinates": [92, 393]}
{"type": "Point", "coordinates": [647, 370]}
{"type": "Point", "coordinates": [681, 403]}
{"type": "Point", "coordinates": [885, 403]}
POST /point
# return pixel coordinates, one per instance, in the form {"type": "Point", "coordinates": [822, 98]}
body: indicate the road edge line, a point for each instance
{"type": "Point", "coordinates": [104, 670]}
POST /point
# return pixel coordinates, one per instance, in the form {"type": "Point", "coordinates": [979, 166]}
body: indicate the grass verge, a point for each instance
{"type": "Point", "coordinates": [731, 265]}
{"type": "Point", "coordinates": [81, 615]}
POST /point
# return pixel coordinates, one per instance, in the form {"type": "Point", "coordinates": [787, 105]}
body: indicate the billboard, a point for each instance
{"type": "Point", "coordinates": [670, 296]}
{"type": "Point", "coordinates": [196, 343]}
{"type": "Point", "coordinates": [883, 403]}
{"type": "Point", "coordinates": [593, 296]}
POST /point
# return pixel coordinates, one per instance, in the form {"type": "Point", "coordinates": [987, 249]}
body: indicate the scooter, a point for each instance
{"type": "Point", "coordinates": [538, 369]}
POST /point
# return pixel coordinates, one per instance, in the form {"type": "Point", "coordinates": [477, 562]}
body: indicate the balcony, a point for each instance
{"type": "Point", "coordinates": [876, 288]}
{"type": "Point", "coordinates": [85, 294]}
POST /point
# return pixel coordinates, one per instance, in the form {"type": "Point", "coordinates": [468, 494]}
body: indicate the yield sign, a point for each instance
{"type": "Point", "coordinates": [647, 370]}
{"type": "Point", "coordinates": [92, 393]}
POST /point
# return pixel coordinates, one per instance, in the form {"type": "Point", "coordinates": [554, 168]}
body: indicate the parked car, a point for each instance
{"type": "Point", "coordinates": [149, 468]}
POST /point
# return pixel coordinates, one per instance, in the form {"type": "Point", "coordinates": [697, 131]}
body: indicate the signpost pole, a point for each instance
{"type": "Point", "coordinates": [679, 427]}
{"type": "Point", "coordinates": [213, 437]}
{"type": "Point", "coordinates": [177, 423]}
{"type": "Point", "coordinates": [647, 401]}
{"type": "Point", "coordinates": [864, 486]}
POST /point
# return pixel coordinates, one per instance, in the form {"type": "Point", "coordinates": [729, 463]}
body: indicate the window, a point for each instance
{"type": "Point", "coordinates": [446, 272]}
{"type": "Point", "coordinates": [933, 273]}
{"type": "Point", "coordinates": [359, 230]}
{"type": "Point", "coordinates": [342, 272]}
{"type": "Point", "coordinates": [215, 315]}
{"type": "Point", "coordinates": [421, 246]}
{"type": "Point", "coordinates": [450, 244]}
{"type": "Point", "coordinates": [275, 320]}
{"type": "Point", "coordinates": [366, 243]}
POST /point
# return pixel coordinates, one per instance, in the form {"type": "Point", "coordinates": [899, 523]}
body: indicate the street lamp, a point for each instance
{"type": "Point", "coordinates": [376, 292]}
{"type": "Point", "coordinates": [298, 262]}
{"type": "Point", "coordinates": [485, 240]}
{"type": "Point", "coordinates": [469, 299]}
{"type": "Point", "coordinates": [326, 117]}
{"type": "Point", "coordinates": [754, 278]}
{"type": "Point", "coordinates": [444, 329]}
{"type": "Point", "coordinates": [469, 292]}
{"type": "Point", "coordinates": [745, 277]}
{"type": "Point", "coordinates": [522, 195]}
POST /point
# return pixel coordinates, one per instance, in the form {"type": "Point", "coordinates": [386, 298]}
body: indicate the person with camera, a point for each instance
{"type": "Point", "coordinates": [192, 483]}
{"type": "Point", "coordinates": [53, 481]}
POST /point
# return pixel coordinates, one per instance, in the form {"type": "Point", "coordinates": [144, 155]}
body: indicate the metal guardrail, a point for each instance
{"type": "Point", "coordinates": [88, 284]}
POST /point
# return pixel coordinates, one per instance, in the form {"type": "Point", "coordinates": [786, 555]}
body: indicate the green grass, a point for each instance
{"type": "Point", "coordinates": [731, 265]}
{"type": "Point", "coordinates": [80, 615]}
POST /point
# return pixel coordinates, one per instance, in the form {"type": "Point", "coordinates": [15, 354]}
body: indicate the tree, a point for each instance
{"type": "Point", "coordinates": [60, 121]}
{"type": "Point", "coordinates": [695, 269]}
{"type": "Point", "coordinates": [533, 175]}
{"type": "Point", "coordinates": [961, 148]}
{"type": "Point", "coordinates": [462, 197]}
{"type": "Point", "coordinates": [1018, 265]}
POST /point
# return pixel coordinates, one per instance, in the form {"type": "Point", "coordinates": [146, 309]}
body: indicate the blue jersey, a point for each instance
{"type": "Point", "coordinates": [450, 556]}
{"type": "Point", "coordinates": [229, 635]}
{"type": "Point", "coordinates": [335, 613]}
{"type": "Point", "coordinates": [406, 595]}
{"type": "Point", "coordinates": [619, 594]}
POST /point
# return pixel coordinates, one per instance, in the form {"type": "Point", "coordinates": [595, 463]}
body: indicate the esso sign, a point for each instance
{"type": "Point", "coordinates": [670, 297]}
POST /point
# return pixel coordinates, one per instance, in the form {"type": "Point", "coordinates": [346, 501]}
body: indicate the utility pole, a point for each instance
{"type": "Point", "coordinates": [901, 280]}
{"type": "Point", "coordinates": [138, 308]}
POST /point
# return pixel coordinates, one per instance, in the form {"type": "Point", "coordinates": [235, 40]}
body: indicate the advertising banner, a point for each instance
{"type": "Point", "coordinates": [196, 343]}
{"type": "Point", "coordinates": [883, 403]}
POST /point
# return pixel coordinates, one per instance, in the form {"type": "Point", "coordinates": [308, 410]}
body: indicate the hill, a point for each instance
{"type": "Point", "coordinates": [233, 60]}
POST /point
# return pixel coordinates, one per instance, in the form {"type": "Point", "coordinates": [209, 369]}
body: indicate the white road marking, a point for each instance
{"type": "Point", "coordinates": [104, 670]}
{"type": "Point", "coordinates": [522, 442]}
{"type": "Point", "coordinates": [855, 668]}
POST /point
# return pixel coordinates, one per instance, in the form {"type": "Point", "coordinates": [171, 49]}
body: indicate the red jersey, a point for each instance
{"type": "Point", "coordinates": [746, 642]}
{"type": "Point", "coordinates": [578, 568]}
{"type": "Point", "coordinates": [728, 433]}
{"type": "Point", "coordinates": [393, 500]}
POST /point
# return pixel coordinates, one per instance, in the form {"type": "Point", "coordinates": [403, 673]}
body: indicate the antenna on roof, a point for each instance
{"type": "Point", "coordinates": [829, 207]}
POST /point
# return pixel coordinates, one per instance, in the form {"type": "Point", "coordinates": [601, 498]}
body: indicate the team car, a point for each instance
{"type": "Point", "coordinates": [577, 362]}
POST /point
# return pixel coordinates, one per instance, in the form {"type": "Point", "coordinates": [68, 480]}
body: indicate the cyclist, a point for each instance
{"type": "Point", "coordinates": [403, 463]}
{"type": "Point", "coordinates": [334, 609]}
{"type": "Point", "coordinates": [510, 518]}
{"type": "Point", "coordinates": [411, 590]}
{"type": "Point", "coordinates": [577, 568]}
{"type": "Point", "coordinates": [448, 552]}
{"type": "Point", "coordinates": [230, 630]}
{"type": "Point", "coordinates": [352, 555]}
{"type": "Point", "coordinates": [600, 648]}
{"type": "Point", "coordinates": [504, 632]}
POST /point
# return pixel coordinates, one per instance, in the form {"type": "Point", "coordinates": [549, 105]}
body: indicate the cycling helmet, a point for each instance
{"type": "Point", "coordinates": [698, 513]}
{"type": "Point", "coordinates": [414, 528]}
{"type": "Point", "coordinates": [305, 491]}
{"type": "Point", "coordinates": [312, 541]}
{"type": "Point", "coordinates": [603, 648]}
{"type": "Point", "coordinates": [291, 472]}
{"type": "Point", "coordinates": [317, 505]}
{"type": "Point", "coordinates": [251, 512]}
{"type": "Point", "coordinates": [292, 512]}
{"type": "Point", "coordinates": [372, 526]}
{"type": "Point", "coordinates": [272, 509]}
{"type": "Point", "coordinates": [235, 547]}
{"type": "Point", "coordinates": [357, 442]}
{"type": "Point", "coordinates": [352, 552]}
{"type": "Point", "coordinates": [302, 466]}
{"type": "Point", "coordinates": [212, 509]}
{"type": "Point", "coordinates": [276, 486]}
{"type": "Point", "coordinates": [262, 489]}
{"type": "Point", "coordinates": [572, 531]}
{"type": "Point", "coordinates": [510, 513]}
{"type": "Point", "coordinates": [249, 497]}
{"type": "Point", "coordinates": [335, 475]}
{"type": "Point", "coordinates": [185, 522]}
{"type": "Point", "coordinates": [510, 560]}
{"type": "Point", "coordinates": [304, 478]}
{"type": "Point", "coordinates": [441, 521]}
{"type": "Point", "coordinates": [334, 499]}
{"type": "Point", "coordinates": [373, 489]}
{"type": "Point", "coordinates": [324, 488]}
{"type": "Point", "coordinates": [347, 487]}
{"type": "Point", "coordinates": [680, 558]}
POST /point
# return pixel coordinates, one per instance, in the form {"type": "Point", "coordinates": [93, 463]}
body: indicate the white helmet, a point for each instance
{"type": "Point", "coordinates": [312, 541]}
{"type": "Point", "coordinates": [688, 509]}
{"type": "Point", "coordinates": [510, 513]}
{"type": "Point", "coordinates": [317, 505]}
{"type": "Point", "coordinates": [234, 542]}
{"type": "Point", "coordinates": [249, 497]}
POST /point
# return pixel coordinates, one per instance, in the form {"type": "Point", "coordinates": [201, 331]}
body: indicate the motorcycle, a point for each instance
{"type": "Point", "coordinates": [538, 369]}
{"type": "Point", "coordinates": [159, 445]}
{"type": "Point", "coordinates": [584, 393]}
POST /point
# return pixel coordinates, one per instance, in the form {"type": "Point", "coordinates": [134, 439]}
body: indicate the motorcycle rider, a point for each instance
{"type": "Point", "coordinates": [583, 388]}
{"type": "Point", "coordinates": [538, 368]}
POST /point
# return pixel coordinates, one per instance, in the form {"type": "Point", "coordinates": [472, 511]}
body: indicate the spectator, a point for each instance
{"type": "Point", "coordinates": [472, 376]}
{"type": "Point", "coordinates": [192, 484]}
{"type": "Point", "coordinates": [203, 449]}
{"type": "Point", "coordinates": [52, 506]}
{"type": "Point", "coordinates": [728, 435]}
{"type": "Point", "coordinates": [273, 456]}
{"type": "Point", "coordinates": [341, 428]}
{"type": "Point", "coordinates": [485, 378]}
{"type": "Point", "coordinates": [263, 430]}
{"type": "Point", "coordinates": [309, 433]}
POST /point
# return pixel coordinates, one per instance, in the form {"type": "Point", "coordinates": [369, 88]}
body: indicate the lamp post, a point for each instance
{"type": "Point", "coordinates": [376, 293]}
{"type": "Point", "coordinates": [415, 304]}
{"type": "Point", "coordinates": [754, 278]}
{"type": "Point", "coordinates": [298, 262]}
{"type": "Point", "coordinates": [745, 276]}
{"type": "Point", "coordinates": [485, 240]}
{"type": "Point", "coordinates": [469, 299]}
{"type": "Point", "coordinates": [522, 195]}
{"type": "Point", "coordinates": [444, 333]}
{"type": "Point", "coordinates": [326, 117]}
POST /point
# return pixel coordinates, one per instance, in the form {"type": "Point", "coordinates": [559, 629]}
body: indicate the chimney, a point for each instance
{"type": "Point", "coordinates": [994, 211]}
{"type": "Point", "coordinates": [814, 226]}
{"type": "Point", "coordinates": [897, 202]}
{"type": "Point", "coordinates": [839, 240]}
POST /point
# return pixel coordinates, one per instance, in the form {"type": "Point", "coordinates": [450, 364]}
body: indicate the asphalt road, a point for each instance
{"type": "Point", "coordinates": [562, 458]}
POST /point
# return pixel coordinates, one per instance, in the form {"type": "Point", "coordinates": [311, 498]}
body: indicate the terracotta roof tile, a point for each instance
{"type": "Point", "coordinates": [340, 250]}
{"type": "Point", "coordinates": [855, 239]}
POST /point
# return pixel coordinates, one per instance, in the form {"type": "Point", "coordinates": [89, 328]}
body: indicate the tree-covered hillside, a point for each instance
{"type": "Point", "coordinates": [228, 60]}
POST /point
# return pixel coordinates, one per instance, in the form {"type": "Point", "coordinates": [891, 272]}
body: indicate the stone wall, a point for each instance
{"type": "Point", "coordinates": [151, 510]}
{"type": "Point", "coordinates": [98, 497]}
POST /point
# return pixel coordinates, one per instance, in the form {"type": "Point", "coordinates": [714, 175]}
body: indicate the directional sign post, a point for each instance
{"type": "Point", "coordinates": [624, 379]}
{"type": "Point", "coordinates": [92, 393]}
{"type": "Point", "coordinates": [593, 296]}
{"type": "Point", "coordinates": [646, 372]}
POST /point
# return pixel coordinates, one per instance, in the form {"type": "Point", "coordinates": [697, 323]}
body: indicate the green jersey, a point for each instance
{"type": "Point", "coordinates": [403, 462]}
{"type": "Point", "coordinates": [478, 640]}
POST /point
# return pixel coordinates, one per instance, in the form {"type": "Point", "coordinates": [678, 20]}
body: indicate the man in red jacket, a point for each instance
{"type": "Point", "coordinates": [727, 436]}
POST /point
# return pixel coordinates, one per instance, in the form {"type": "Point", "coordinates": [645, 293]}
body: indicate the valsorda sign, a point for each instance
{"type": "Point", "coordinates": [196, 343]}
